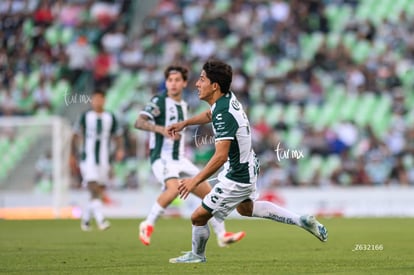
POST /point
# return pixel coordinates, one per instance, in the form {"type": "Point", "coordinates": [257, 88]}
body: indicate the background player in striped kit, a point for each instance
{"type": "Point", "coordinates": [167, 154]}
{"type": "Point", "coordinates": [95, 131]}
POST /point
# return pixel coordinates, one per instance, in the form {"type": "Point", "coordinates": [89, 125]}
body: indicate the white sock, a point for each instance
{"type": "Point", "coordinates": [218, 227]}
{"type": "Point", "coordinates": [96, 207]}
{"type": "Point", "coordinates": [271, 211]}
{"type": "Point", "coordinates": [200, 237]}
{"type": "Point", "coordinates": [86, 213]}
{"type": "Point", "coordinates": [155, 213]}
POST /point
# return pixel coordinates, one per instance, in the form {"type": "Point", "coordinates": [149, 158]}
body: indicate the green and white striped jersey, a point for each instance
{"type": "Point", "coordinates": [164, 111]}
{"type": "Point", "coordinates": [230, 123]}
{"type": "Point", "coordinates": [97, 130]}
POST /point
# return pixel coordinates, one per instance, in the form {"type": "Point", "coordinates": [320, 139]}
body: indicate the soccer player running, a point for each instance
{"type": "Point", "coordinates": [95, 130]}
{"type": "Point", "coordinates": [236, 188]}
{"type": "Point", "coordinates": [167, 154]}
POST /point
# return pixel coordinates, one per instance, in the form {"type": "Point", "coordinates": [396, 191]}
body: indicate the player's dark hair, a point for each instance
{"type": "Point", "coordinates": [99, 91]}
{"type": "Point", "coordinates": [220, 73]}
{"type": "Point", "coordinates": [176, 68]}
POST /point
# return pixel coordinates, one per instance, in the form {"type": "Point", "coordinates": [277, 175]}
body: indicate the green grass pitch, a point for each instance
{"type": "Point", "coordinates": [59, 247]}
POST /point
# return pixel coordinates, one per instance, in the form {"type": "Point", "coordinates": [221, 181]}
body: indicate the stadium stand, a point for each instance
{"type": "Point", "coordinates": [309, 66]}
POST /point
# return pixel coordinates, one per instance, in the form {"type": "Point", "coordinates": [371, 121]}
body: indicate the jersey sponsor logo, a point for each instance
{"type": "Point", "coordinates": [152, 109]}
{"type": "Point", "coordinates": [214, 199]}
{"type": "Point", "coordinates": [172, 114]}
{"type": "Point", "coordinates": [235, 104]}
{"type": "Point", "coordinates": [219, 117]}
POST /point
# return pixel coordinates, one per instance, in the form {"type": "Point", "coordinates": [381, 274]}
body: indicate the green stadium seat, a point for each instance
{"type": "Point", "coordinates": [28, 27]}
{"type": "Point", "coordinates": [348, 108]}
{"type": "Point", "coordinates": [292, 114]}
{"type": "Point", "coordinates": [293, 138]}
{"type": "Point", "coordinates": [19, 79]}
{"type": "Point", "coordinates": [222, 6]}
{"type": "Point", "coordinates": [4, 145]}
{"type": "Point", "coordinates": [200, 108]}
{"type": "Point", "coordinates": [257, 112]}
{"type": "Point", "coordinates": [363, 10]}
{"type": "Point", "coordinates": [66, 36]}
{"type": "Point", "coordinates": [60, 90]}
{"type": "Point", "coordinates": [131, 116]}
{"type": "Point", "coordinates": [147, 42]}
{"type": "Point", "coordinates": [331, 163]}
{"type": "Point", "coordinates": [144, 170]}
{"type": "Point", "coordinates": [331, 13]}
{"type": "Point", "coordinates": [366, 109]}
{"type": "Point", "coordinates": [349, 40]}
{"type": "Point", "coordinates": [3, 172]}
{"type": "Point", "coordinates": [361, 51]}
{"type": "Point", "coordinates": [408, 161]}
{"type": "Point", "coordinates": [26, 103]}
{"type": "Point", "coordinates": [273, 114]}
{"type": "Point", "coordinates": [409, 117]}
{"type": "Point", "coordinates": [120, 170]}
{"type": "Point", "coordinates": [381, 123]}
{"type": "Point", "coordinates": [327, 115]}
{"type": "Point", "coordinates": [33, 80]}
{"type": "Point", "coordinates": [249, 65]}
{"type": "Point", "coordinates": [409, 8]}
{"type": "Point", "coordinates": [256, 90]}
{"type": "Point", "coordinates": [52, 35]}
{"type": "Point", "coordinates": [270, 93]}
{"type": "Point", "coordinates": [384, 103]}
{"type": "Point", "coordinates": [333, 39]}
{"type": "Point", "coordinates": [407, 78]}
{"type": "Point", "coordinates": [310, 43]}
{"type": "Point", "coordinates": [231, 41]}
{"type": "Point", "coordinates": [308, 167]}
{"type": "Point", "coordinates": [311, 114]}
{"type": "Point", "coordinates": [338, 17]}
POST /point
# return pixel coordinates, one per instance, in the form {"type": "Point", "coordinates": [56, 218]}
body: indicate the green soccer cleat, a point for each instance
{"type": "Point", "coordinates": [188, 258]}
{"type": "Point", "coordinates": [310, 224]}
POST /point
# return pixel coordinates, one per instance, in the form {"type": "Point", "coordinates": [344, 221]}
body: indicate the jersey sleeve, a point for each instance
{"type": "Point", "coordinates": [116, 129]}
{"type": "Point", "coordinates": [225, 126]}
{"type": "Point", "coordinates": [152, 108]}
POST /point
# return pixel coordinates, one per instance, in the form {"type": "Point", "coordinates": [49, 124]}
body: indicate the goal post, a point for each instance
{"type": "Point", "coordinates": [23, 141]}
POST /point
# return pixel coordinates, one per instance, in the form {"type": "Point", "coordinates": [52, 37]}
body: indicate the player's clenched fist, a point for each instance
{"type": "Point", "coordinates": [175, 129]}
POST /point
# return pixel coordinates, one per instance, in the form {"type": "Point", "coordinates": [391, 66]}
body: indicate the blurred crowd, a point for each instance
{"type": "Point", "coordinates": [282, 52]}
{"type": "Point", "coordinates": [47, 41]}
{"type": "Point", "coordinates": [258, 38]}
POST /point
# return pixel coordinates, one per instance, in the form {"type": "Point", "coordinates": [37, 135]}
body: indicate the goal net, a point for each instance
{"type": "Point", "coordinates": [34, 170]}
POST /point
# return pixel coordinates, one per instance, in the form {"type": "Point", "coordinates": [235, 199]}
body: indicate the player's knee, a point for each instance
{"type": "Point", "coordinates": [196, 219]}
{"type": "Point", "coordinates": [200, 217]}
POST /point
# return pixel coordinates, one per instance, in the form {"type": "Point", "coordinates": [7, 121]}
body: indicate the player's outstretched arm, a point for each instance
{"type": "Point", "coordinates": [143, 123]}
{"type": "Point", "coordinates": [186, 186]}
{"type": "Point", "coordinates": [73, 162]}
{"type": "Point", "coordinates": [120, 152]}
{"type": "Point", "coordinates": [203, 118]}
